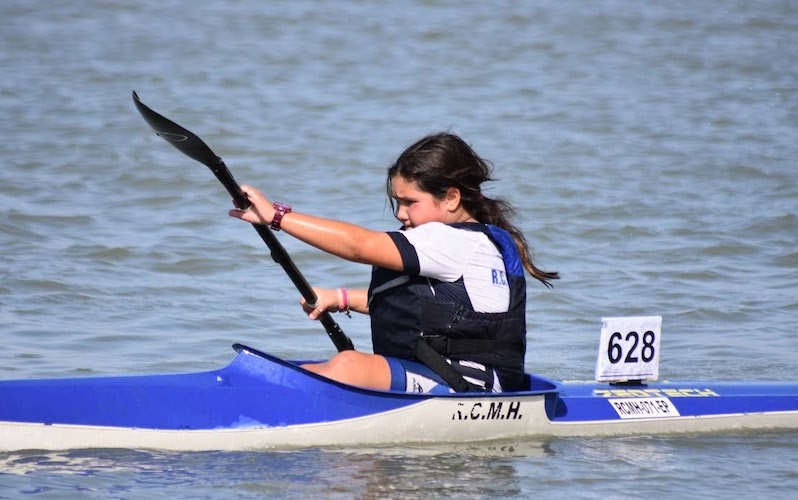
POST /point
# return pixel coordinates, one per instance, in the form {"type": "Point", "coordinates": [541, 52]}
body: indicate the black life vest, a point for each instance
{"type": "Point", "coordinates": [404, 311]}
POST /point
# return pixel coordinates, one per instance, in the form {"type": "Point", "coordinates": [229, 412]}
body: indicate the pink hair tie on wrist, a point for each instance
{"type": "Point", "coordinates": [344, 305]}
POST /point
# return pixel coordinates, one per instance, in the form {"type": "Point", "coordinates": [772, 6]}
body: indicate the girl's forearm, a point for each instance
{"type": "Point", "coordinates": [358, 300]}
{"type": "Point", "coordinates": [345, 240]}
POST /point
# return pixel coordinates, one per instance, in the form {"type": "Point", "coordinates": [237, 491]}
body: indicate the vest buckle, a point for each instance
{"type": "Point", "coordinates": [438, 343]}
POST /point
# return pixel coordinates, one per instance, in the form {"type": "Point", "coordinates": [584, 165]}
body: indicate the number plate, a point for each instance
{"type": "Point", "coordinates": [629, 349]}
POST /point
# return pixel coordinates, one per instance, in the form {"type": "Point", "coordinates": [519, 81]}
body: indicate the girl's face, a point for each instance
{"type": "Point", "coordinates": [415, 207]}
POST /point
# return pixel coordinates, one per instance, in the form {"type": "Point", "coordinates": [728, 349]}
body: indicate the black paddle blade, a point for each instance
{"type": "Point", "coordinates": [193, 147]}
{"type": "Point", "coordinates": [186, 142]}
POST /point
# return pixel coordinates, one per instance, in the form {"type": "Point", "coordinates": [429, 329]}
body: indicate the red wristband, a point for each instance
{"type": "Point", "coordinates": [280, 209]}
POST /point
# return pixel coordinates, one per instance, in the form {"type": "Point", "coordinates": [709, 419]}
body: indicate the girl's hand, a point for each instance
{"type": "Point", "coordinates": [260, 212]}
{"type": "Point", "coordinates": [326, 300]}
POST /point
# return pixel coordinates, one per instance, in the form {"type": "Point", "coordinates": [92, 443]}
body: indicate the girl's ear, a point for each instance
{"type": "Point", "coordinates": [452, 198]}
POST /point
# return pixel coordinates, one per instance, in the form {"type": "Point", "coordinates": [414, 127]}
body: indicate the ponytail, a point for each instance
{"type": "Point", "coordinates": [499, 213]}
{"type": "Point", "coordinates": [441, 161]}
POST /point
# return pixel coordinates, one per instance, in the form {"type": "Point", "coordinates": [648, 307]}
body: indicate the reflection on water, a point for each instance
{"type": "Point", "coordinates": [573, 468]}
{"type": "Point", "coordinates": [409, 471]}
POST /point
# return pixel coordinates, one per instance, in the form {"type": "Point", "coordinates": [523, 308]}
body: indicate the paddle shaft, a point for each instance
{"type": "Point", "coordinates": [192, 146]}
{"type": "Point", "coordinates": [280, 256]}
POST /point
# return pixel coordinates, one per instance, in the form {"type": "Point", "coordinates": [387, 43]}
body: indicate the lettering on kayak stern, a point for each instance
{"type": "Point", "coordinates": [644, 408]}
{"type": "Point", "coordinates": [496, 410]}
{"type": "Point", "coordinates": [648, 393]}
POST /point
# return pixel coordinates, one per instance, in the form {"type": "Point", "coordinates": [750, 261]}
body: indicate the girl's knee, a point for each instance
{"type": "Point", "coordinates": [357, 368]}
{"type": "Point", "coordinates": [346, 361]}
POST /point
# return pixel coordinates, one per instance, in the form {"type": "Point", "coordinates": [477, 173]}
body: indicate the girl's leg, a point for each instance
{"type": "Point", "coordinates": [355, 368]}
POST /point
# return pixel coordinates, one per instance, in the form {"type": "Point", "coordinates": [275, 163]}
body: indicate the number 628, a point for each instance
{"type": "Point", "coordinates": [615, 349]}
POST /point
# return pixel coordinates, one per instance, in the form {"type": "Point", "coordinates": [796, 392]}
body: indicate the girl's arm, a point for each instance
{"type": "Point", "coordinates": [345, 240]}
{"type": "Point", "coordinates": [337, 300]}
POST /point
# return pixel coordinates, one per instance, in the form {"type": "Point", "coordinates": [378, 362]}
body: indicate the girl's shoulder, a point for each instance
{"type": "Point", "coordinates": [444, 235]}
{"type": "Point", "coordinates": [439, 228]}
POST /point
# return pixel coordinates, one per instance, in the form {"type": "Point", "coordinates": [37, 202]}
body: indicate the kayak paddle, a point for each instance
{"type": "Point", "coordinates": [193, 147]}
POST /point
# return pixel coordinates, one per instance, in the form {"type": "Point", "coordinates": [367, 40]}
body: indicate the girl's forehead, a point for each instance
{"type": "Point", "coordinates": [401, 186]}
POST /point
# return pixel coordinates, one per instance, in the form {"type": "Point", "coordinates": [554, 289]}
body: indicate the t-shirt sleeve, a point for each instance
{"type": "Point", "coordinates": [407, 252]}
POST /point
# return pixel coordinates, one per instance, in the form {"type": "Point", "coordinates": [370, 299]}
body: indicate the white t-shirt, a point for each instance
{"type": "Point", "coordinates": [447, 253]}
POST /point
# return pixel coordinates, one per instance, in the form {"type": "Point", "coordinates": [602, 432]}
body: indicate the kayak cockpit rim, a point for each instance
{"type": "Point", "coordinates": [537, 384]}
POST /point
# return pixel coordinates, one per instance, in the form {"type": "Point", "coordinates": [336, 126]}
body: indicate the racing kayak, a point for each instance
{"type": "Point", "coordinates": [260, 401]}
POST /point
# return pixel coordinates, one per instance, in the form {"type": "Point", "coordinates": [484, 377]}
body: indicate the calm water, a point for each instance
{"type": "Point", "coordinates": [650, 149]}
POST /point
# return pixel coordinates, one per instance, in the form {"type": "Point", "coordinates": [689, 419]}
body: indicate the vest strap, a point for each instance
{"type": "Point", "coordinates": [438, 364]}
{"type": "Point", "coordinates": [447, 346]}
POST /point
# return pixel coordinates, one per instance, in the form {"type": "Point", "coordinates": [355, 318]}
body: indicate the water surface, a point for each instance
{"type": "Point", "coordinates": [650, 150]}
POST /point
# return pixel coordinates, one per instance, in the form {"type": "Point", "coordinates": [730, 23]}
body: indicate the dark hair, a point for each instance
{"type": "Point", "coordinates": [440, 161]}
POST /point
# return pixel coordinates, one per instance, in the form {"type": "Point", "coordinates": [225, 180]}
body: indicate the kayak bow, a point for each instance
{"type": "Point", "coordinates": [259, 401]}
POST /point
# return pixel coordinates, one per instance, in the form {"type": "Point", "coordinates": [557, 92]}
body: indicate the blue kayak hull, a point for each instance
{"type": "Point", "coordinates": [259, 401]}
